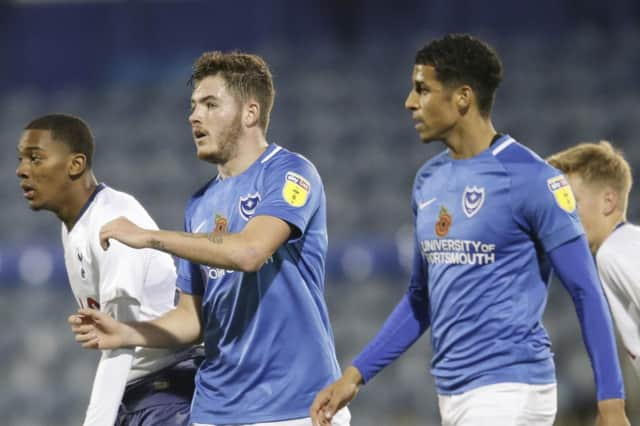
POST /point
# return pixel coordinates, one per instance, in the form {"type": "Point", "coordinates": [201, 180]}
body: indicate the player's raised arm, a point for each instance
{"type": "Point", "coordinates": [243, 251]}
{"type": "Point", "coordinates": [181, 326]}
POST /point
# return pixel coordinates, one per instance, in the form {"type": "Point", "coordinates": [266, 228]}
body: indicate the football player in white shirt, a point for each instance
{"type": "Point", "coordinates": [132, 386]}
{"type": "Point", "coordinates": [601, 181]}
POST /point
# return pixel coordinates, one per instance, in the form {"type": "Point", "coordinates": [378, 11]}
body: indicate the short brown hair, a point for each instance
{"type": "Point", "coordinates": [597, 163]}
{"type": "Point", "coordinates": [247, 76]}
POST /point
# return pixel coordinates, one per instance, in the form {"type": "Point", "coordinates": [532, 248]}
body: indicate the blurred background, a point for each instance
{"type": "Point", "coordinates": [342, 71]}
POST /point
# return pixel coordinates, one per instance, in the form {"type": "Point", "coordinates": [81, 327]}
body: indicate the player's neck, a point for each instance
{"type": "Point", "coordinates": [609, 225]}
{"type": "Point", "coordinates": [470, 137]}
{"type": "Point", "coordinates": [249, 150]}
{"type": "Point", "coordinates": [76, 198]}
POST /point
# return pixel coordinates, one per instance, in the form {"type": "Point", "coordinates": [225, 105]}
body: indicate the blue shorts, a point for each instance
{"type": "Point", "coordinates": [163, 397]}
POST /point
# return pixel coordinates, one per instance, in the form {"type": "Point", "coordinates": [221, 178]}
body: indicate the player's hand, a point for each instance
{"type": "Point", "coordinates": [125, 231]}
{"type": "Point", "coordinates": [94, 329]}
{"type": "Point", "coordinates": [611, 413]}
{"type": "Point", "coordinates": [335, 396]}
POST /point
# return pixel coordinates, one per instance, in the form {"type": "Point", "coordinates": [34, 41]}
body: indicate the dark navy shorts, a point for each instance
{"type": "Point", "coordinates": [163, 397]}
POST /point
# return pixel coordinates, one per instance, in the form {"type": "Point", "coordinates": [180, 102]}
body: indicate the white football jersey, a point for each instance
{"type": "Point", "coordinates": [120, 275]}
{"type": "Point", "coordinates": [619, 270]}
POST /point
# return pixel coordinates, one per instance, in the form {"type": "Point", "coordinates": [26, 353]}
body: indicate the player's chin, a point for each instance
{"type": "Point", "coordinates": [203, 153]}
{"type": "Point", "coordinates": [35, 205]}
{"type": "Point", "coordinates": [208, 156]}
{"type": "Point", "coordinates": [427, 138]}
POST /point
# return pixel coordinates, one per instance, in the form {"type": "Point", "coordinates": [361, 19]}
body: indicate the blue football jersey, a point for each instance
{"type": "Point", "coordinates": [268, 342]}
{"type": "Point", "coordinates": [483, 226]}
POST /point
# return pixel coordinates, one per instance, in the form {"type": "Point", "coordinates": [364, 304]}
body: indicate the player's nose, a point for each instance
{"type": "Point", "coordinates": [21, 170]}
{"type": "Point", "coordinates": [194, 117]}
{"type": "Point", "coordinates": [411, 102]}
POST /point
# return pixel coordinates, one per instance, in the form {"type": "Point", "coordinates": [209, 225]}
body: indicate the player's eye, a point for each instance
{"type": "Point", "coordinates": [211, 105]}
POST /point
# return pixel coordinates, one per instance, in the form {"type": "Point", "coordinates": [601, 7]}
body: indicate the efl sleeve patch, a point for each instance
{"type": "Point", "coordinates": [561, 191]}
{"type": "Point", "coordinates": [296, 189]}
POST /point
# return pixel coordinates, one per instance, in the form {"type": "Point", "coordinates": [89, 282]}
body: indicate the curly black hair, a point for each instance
{"type": "Point", "coordinates": [463, 59]}
{"type": "Point", "coordinates": [67, 129]}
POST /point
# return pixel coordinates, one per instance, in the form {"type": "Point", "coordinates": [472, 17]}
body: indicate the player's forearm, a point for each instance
{"type": "Point", "coordinates": [108, 387]}
{"type": "Point", "coordinates": [403, 327]}
{"type": "Point", "coordinates": [228, 251]}
{"type": "Point", "coordinates": [178, 327]}
{"type": "Point", "coordinates": [574, 266]}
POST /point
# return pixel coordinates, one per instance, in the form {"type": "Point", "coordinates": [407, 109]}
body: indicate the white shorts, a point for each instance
{"type": "Point", "coordinates": [502, 404]}
{"type": "Point", "coordinates": [342, 418]}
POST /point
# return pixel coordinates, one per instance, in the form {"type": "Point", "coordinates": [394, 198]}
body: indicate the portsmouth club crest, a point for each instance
{"type": "Point", "coordinates": [248, 204]}
{"type": "Point", "coordinates": [472, 200]}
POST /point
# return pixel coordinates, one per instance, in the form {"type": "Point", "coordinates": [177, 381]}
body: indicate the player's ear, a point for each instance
{"type": "Point", "coordinates": [77, 165]}
{"type": "Point", "coordinates": [251, 113]}
{"type": "Point", "coordinates": [610, 198]}
{"type": "Point", "coordinates": [463, 98]}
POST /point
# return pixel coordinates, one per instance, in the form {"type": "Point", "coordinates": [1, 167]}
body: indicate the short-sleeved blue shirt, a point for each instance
{"type": "Point", "coordinates": [268, 341]}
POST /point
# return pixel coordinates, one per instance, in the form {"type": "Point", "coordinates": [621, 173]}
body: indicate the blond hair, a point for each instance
{"type": "Point", "coordinates": [597, 163]}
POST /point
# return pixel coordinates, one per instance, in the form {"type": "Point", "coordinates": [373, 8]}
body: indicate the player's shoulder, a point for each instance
{"type": "Point", "coordinates": [432, 164]}
{"type": "Point", "coordinates": [110, 203]}
{"type": "Point", "coordinates": [279, 156]}
{"type": "Point", "coordinates": [429, 168]}
{"type": "Point", "coordinates": [109, 200]}
{"type": "Point", "coordinates": [513, 155]}
{"type": "Point", "coordinates": [202, 190]}
{"type": "Point", "coordinates": [618, 243]}
{"type": "Point", "coordinates": [521, 163]}
{"type": "Point", "coordinates": [281, 160]}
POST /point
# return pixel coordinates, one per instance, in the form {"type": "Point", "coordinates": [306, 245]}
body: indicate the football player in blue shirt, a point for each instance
{"type": "Point", "coordinates": [491, 220]}
{"type": "Point", "coordinates": [251, 272]}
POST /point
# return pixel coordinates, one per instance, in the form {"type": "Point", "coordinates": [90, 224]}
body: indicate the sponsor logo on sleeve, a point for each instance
{"type": "Point", "coordinates": [562, 193]}
{"type": "Point", "coordinates": [296, 189]}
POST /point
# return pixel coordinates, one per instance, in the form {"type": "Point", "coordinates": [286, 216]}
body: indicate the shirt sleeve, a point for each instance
{"type": "Point", "coordinates": [122, 273]}
{"type": "Point", "coordinates": [548, 207]}
{"type": "Point", "coordinates": [112, 372]}
{"type": "Point", "coordinates": [190, 280]}
{"type": "Point", "coordinates": [122, 269]}
{"type": "Point", "coordinates": [620, 275]}
{"type": "Point", "coordinates": [292, 191]}
{"type": "Point", "coordinates": [573, 264]}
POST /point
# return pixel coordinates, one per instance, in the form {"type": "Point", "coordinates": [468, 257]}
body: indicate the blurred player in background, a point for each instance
{"type": "Point", "coordinates": [490, 218]}
{"type": "Point", "coordinates": [131, 387]}
{"type": "Point", "coordinates": [253, 259]}
{"type": "Point", "coordinates": [601, 181]}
